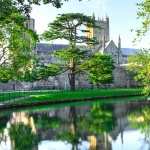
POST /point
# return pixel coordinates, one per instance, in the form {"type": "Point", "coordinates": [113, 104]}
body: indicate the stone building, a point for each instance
{"type": "Point", "coordinates": [100, 32]}
{"type": "Point", "coordinates": [122, 78]}
{"type": "Point", "coordinates": [30, 24]}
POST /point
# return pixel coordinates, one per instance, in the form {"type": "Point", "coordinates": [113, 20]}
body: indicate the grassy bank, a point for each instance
{"type": "Point", "coordinates": [39, 96]}
{"type": "Point", "coordinates": [12, 95]}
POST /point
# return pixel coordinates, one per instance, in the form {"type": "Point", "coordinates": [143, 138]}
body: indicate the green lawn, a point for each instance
{"type": "Point", "coordinates": [11, 95]}
{"type": "Point", "coordinates": [37, 96]}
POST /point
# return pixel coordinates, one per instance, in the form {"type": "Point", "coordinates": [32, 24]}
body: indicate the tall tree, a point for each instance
{"type": "Point", "coordinates": [13, 16]}
{"type": "Point", "coordinates": [69, 27]}
{"type": "Point", "coordinates": [16, 41]}
{"type": "Point", "coordinates": [16, 46]}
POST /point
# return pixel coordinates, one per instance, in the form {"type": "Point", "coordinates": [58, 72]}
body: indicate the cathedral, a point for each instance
{"type": "Point", "coordinates": [108, 46]}
{"type": "Point", "coordinates": [105, 45]}
{"type": "Point", "coordinates": [121, 77]}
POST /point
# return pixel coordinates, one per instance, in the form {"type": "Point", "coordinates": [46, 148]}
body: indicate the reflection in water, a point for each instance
{"type": "Point", "coordinates": [20, 132]}
{"type": "Point", "coordinates": [22, 137]}
{"type": "Point", "coordinates": [141, 120]}
{"type": "Point", "coordinates": [3, 122]}
{"type": "Point", "coordinates": [98, 123]}
{"type": "Point", "coordinates": [95, 127]}
{"type": "Point", "coordinates": [24, 118]}
{"type": "Point", "coordinates": [71, 135]}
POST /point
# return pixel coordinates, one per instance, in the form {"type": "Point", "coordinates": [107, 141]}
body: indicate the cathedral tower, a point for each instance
{"type": "Point", "coordinates": [100, 32]}
{"type": "Point", "coordinates": [30, 24]}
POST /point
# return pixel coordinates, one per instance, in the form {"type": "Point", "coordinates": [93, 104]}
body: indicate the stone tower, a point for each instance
{"type": "Point", "coordinates": [101, 32]}
{"type": "Point", "coordinates": [30, 24]}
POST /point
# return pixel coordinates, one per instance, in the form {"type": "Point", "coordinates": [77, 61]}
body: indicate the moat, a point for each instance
{"type": "Point", "coordinates": [78, 126]}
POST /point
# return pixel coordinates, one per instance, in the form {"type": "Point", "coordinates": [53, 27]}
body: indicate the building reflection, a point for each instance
{"type": "Point", "coordinates": [20, 132]}
{"type": "Point", "coordinates": [24, 118]}
{"type": "Point", "coordinates": [97, 125]}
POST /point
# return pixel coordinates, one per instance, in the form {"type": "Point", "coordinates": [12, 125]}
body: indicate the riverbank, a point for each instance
{"type": "Point", "coordinates": [26, 97]}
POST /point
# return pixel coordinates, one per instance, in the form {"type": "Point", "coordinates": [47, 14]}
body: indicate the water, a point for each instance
{"type": "Point", "coordinates": [81, 126]}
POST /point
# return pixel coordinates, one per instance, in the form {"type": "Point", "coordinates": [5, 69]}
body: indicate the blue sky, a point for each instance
{"type": "Point", "coordinates": [122, 14]}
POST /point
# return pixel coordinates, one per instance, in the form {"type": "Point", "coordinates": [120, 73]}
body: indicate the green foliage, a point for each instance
{"type": "Point", "coordinates": [5, 74]}
{"type": "Point", "coordinates": [99, 68]}
{"type": "Point", "coordinates": [22, 137]}
{"type": "Point", "coordinates": [68, 53]}
{"type": "Point", "coordinates": [140, 66]}
{"type": "Point", "coordinates": [68, 27]}
{"type": "Point", "coordinates": [20, 52]}
{"type": "Point", "coordinates": [144, 16]}
{"type": "Point", "coordinates": [25, 6]}
{"type": "Point", "coordinates": [16, 41]}
{"type": "Point", "coordinates": [41, 72]}
{"type": "Point", "coordinates": [68, 56]}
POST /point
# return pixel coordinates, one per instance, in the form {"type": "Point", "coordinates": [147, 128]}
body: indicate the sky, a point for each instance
{"type": "Point", "coordinates": [122, 14]}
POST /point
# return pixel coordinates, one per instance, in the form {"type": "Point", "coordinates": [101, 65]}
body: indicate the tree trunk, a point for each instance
{"type": "Point", "coordinates": [72, 80]}
{"type": "Point", "coordinates": [71, 75]}
{"type": "Point", "coordinates": [14, 86]}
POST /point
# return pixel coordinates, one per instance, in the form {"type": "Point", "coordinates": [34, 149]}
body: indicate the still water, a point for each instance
{"type": "Point", "coordinates": [82, 126]}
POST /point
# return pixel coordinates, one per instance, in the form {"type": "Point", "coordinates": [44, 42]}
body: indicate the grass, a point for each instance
{"type": "Point", "coordinates": [38, 96]}
{"type": "Point", "coordinates": [11, 95]}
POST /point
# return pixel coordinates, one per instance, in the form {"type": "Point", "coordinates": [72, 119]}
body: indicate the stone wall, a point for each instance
{"type": "Point", "coordinates": [122, 78]}
{"type": "Point", "coordinates": [15, 86]}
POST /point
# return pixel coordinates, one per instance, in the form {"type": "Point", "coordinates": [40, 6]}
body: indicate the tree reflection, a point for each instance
{"type": "Point", "coordinates": [3, 123]}
{"type": "Point", "coordinates": [64, 130]}
{"type": "Point", "coordinates": [141, 120]}
{"type": "Point", "coordinates": [98, 123]}
{"type": "Point", "coordinates": [71, 135]}
{"type": "Point", "coordinates": [22, 137]}
{"type": "Point", "coordinates": [93, 126]}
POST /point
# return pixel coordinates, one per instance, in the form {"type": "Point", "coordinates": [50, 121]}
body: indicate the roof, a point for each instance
{"type": "Point", "coordinates": [129, 51]}
{"type": "Point", "coordinates": [44, 47]}
{"type": "Point", "coordinates": [110, 42]}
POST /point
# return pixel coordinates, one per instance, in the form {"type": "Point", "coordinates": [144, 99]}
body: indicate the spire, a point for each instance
{"type": "Point", "coordinates": [119, 49]}
{"type": "Point", "coordinates": [93, 16]}
{"type": "Point", "coordinates": [119, 42]}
